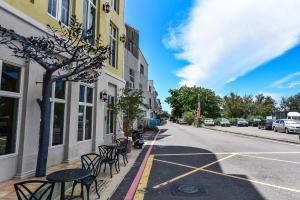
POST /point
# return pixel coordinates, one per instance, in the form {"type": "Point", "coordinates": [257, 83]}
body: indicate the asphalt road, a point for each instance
{"type": "Point", "coordinates": [196, 163]}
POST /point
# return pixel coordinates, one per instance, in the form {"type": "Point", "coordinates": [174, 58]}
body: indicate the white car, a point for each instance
{"type": "Point", "coordinates": [286, 126]}
{"type": "Point", "coordinates": [209, 122]}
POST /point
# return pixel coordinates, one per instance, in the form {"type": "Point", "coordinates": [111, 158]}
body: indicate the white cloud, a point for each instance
{"type": "Point", "coordinates": [286, 82]}
{"type": "Point", "coordinates": [293, 84]}
{"type": "Point", "coordinates": [223, 40]}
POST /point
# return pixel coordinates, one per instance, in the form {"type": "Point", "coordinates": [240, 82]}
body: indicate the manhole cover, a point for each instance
{"type": "Point", "coordinates": [189, 189]}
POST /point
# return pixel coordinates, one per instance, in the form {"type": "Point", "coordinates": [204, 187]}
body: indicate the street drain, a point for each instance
{"type": "Point", "coordinates": [187, 190]}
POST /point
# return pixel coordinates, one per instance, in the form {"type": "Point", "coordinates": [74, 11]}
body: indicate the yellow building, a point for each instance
{"type": "Point", "coordinates": [80, 119]}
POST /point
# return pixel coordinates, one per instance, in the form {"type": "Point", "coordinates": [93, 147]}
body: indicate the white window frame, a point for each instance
{"type": "Point", "coordinates": [90, 5]}
{"type": "Point", "coordinates": [115, 39]}
{"type": "Point", "coordinates": [85, 104]}
{"type": "Point", "coordinates": [16, 96]}
{"type": "Point", "coordinates": [54, 100]}
{"type": "Point", "coordinates": [59, 11]}
{"type": "Point", "coordinates": [108, 118]}
{"type": "Point", "coordinates": [113, 5]}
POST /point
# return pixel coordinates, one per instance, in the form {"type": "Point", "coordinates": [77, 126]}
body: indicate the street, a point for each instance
{"type": "Point", "coordinates": [196, 163]}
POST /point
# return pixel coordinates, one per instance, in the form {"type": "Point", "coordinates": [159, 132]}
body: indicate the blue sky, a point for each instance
{"type": "Point", "coordinates": [216, 44]}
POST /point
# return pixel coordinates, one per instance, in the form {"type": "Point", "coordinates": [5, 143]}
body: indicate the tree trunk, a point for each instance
{"type": "Point", "coordinates": [44, 126]}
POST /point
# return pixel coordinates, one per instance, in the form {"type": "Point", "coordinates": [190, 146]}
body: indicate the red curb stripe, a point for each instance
{"type": "Point", "coordinates": [136, 181]}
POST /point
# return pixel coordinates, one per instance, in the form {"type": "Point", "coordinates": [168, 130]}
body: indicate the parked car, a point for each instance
{"type": "Point", "coordinates": [286, 126]}
{"type": "Point", "coordinates": [266, 124]}
{"type": "Point", "coordinates": [254, 122]}
{"type": "Point", "coordinates": [224, 122]}
{"type": "Point", "coordinates": [209, 122]}
{"type": "Point", "coordinates": [241, 122]}
{"type": "Point", "coordinates": [181, 121]}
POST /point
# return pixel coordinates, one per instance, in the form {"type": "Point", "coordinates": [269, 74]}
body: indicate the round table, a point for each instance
{"type": "Point", "coordinates": [67, 175]}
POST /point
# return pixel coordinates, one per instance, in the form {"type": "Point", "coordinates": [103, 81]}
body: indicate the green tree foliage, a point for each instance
{"type": "Point", "coordinates": [185, 100]}
{"type": "Point", "coordinates": [165, 115]}
{"type": "Point", "coordinates": [189, 117]}
{"type": "Point", "coordinates": [291, 103]}
{"type": "Point", "coordinates": [236, 106]}
{"type": "Point", "coordinates": [129, 105]}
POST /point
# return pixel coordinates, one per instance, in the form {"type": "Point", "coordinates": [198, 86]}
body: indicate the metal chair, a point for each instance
{"type": "Point", "coordinates": [108, 156]}
{"type": "Point", "coordinates": [90, 162]}
{"type": "Point", "coordinates": [121, 150]}
{"type": "Point", "coordinates": [34, 190]}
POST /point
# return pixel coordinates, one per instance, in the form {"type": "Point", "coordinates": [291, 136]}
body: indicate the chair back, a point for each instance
{"type": "Point", "coordinates": [91, 162]}
{"type": "Point", "coordinates": [107, 152]}
{"type": "Point", "coordinates": [122, 142]}
{"type": "Point", "coordinates": [34, 190]}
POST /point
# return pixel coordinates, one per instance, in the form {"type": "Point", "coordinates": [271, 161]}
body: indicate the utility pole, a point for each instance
{"type": "Point", "coordinates": [198, 111]}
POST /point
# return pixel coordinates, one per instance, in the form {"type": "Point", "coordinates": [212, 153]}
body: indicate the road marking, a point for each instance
{"type": "Point", "coordinates": [191, 172]}
{"type": "Point", "coordinates": [140, 192]}
{"type": "Point", "coordinates": [135, 183]}
{"type": "Point", "coordinates": [273, 159]}
{"type": "Point", "coordinates": [225, 153]}
{"type": "Point", "coordinates": [230, 176]}
{"type": "Point", "coordinates": [182, 165]}
{"type": "Point", "coordinates": [252, 181]}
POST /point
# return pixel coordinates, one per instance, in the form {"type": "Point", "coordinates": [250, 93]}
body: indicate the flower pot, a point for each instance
{"type": "Point", "coordinates": [129, 145]}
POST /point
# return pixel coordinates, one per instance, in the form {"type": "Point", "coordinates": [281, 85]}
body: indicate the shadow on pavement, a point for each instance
{"type": "Point", "coordinates": [199, 185]}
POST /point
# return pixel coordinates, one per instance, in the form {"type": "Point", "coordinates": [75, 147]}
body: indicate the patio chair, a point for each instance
{"type": "Point", "coordinates": [90, 162]}
{"type": "Point", "coordinates": [122, 144]}
{"type": "Point", "coordinates": [34, 190]}
{"type": "Point", "coordinates": [108, 156]}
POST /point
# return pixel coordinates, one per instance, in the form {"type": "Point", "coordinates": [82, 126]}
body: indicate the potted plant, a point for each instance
{"type": "Point", "coordinates": [128, 105]}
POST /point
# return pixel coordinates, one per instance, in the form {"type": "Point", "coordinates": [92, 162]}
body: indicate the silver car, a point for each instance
{"type": "Point", "coordinates": [209, 122]}
{"type": "Point", "coordinates": [286, 126]}
{"type": "Point", "coordinates": [224, 122]}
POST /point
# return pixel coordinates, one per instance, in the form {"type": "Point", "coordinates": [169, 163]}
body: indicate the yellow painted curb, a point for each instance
{"type": "Point", "coordinates": [140, 192]}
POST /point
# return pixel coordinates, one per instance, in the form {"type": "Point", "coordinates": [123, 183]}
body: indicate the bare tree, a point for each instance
{"type": "Point", "coordinates": [65, 53]}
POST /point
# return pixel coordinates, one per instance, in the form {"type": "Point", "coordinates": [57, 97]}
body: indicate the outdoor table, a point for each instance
{"type": "Point", "coordinates": [67, 175]}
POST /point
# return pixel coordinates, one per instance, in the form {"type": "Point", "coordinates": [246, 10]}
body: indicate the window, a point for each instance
{"type": "Point", "coordinates": [58, 103]}
{"type": "Point", "coordinates": [85, 113]}
{"type": "Point", "coordinates": [113, 46]}
{"type": "Point", "coordinates": [150, 103]}
{"type": "Point", "coordinates": [131, 78]}
{"type": "Point", "coordinates": [142, 69]}
{"type": "Point", "coordinates": [89, 20]}
{"type": "Point", "coordinates": [150, 89]}
{"type": "Point", "coordinates": [111, 116]}
{"type": "Point", "coordinates": [141, 87]}
{"type": "Point", "coordinates": [60, 9]}
{"type": "Point", "coordinates": [115, 5]}
{"type": "Point", "coordinates": [10, 79]}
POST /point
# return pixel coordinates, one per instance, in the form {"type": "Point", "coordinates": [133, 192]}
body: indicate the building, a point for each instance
{"type": "Point", "coordinates": [80, 120]}
{"type": "Point", "coordinates": [136, 73]}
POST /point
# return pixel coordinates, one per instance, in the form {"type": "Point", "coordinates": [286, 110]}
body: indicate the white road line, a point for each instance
{"type": "Point", "coordinates": [225, 153]}
{"type": "Point", "coordinates": [272, 159]}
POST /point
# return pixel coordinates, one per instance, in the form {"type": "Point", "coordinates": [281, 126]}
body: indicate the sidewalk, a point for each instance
{"type": "Point", "coordinates": [255, 132]}
{"type": "Point", "coordinates": [107, 187]}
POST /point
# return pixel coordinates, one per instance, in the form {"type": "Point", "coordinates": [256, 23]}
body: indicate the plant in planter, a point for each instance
{"type": "Point", "coordinates": [129, 106]}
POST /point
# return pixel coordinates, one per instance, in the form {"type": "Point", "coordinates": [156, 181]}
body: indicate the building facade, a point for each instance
{"type": "Point", "coordinates": [80, 120]}
{"type": "Point", "coordinates": [136, 73]}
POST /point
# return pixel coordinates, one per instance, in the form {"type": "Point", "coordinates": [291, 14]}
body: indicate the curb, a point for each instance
{"type": "Point", "coordinates": [255, 136]}
{"type": "Point", "coordinates": [135, 183]}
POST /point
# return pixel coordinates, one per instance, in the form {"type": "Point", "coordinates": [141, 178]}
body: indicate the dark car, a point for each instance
{"type": "Point", "coordinates": [266, 124]}
{"type": "Point", "coordinates": [241, 122]}
{"type": "Point", "coordinates": [254, 122]}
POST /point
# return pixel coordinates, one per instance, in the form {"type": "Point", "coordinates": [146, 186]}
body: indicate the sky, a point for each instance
{"type": "Point", "coordinates": [245, 46]}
